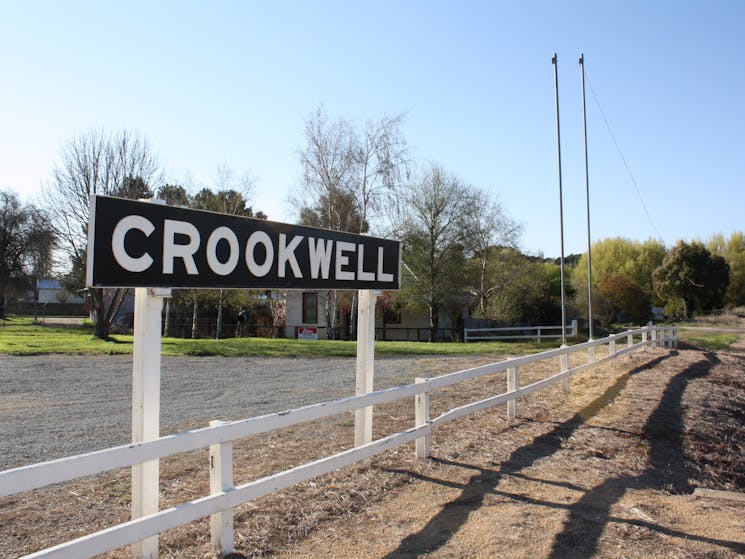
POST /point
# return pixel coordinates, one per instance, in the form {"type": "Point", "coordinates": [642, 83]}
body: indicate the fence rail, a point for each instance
{"type": "Point", "coordinates": [220, 435]}
{"type": "Point", "coordinates": [518, 333]}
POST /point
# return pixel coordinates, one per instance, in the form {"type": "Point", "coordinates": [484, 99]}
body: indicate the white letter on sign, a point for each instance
{"type": "Point", "coordinates": [215, 265]}
{"type": "Point", "coordinates": [259, 237]}
{"type": "Point", "coordinates": [362, 275]}
{"type": "Point", "coordinates": [343, 260]}
{"type": "Point", "coordinates": [141, 263]}
{"type": "Point", "coordinates": [319, 253]}
{"type": "Point", "coordinates": [171, 250]}
{"type": "Point", "coordinates": [287, 254]}
{"type": "Point", "coordinates": [382, 276]}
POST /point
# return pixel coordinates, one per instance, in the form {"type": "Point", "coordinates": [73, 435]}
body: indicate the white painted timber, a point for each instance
{"type": "Point", "coordinates": [564, 366]}
{"type": "Point", "coordinates": [122, 534]}
{"type": "Point", "coordinates": [146, 410]}
{"type": "Point", "coordinates": [221, 480]}
{"type": "Point", "coordinates": [365, 363]}
{"type": "Point", "coordinates": [513, 383]}
{"type": "Point", "coordinates": [421, 418]}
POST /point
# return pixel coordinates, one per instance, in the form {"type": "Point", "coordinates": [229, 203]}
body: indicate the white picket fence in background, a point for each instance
{"type": "Point", "coordinates": [538, 333]}
{"type": "Point", "coordinates": [219, 436]}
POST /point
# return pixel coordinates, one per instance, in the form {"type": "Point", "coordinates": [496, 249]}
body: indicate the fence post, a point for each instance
{"type": "Point", "coordinates": [675, 336]}
{"type": "Point", "coordinates": [538, 335]}
{"type": "Point", "coordinates": [645, 338]}
{"type": "Point", "coordinates": [629, 343]}
{"type": "Point", "coordinates": [653, 331]}
{"type": "Point", "coordinates": [564, 359]}
{"type": "Point", "coordinates": [465, 335]}
{"type": "Point", "coordinates": [221, 479]}
{"type": "Point", "coordinates": [421, 418]}
{"type": "Point", "coordinates": [146, 408]}
{"type": "Point", "coordinates": [574, 328]}
{"type": "Point", "coordinates": [612, 346]}
{"type": "Point", "coordinates": [513, 383]}
{"type": "Point", "coordinates": [365, 363]}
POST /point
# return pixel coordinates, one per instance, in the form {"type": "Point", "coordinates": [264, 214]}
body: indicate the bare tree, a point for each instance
{"type": "Point", "coordinates": [487, 227]}
{"type": "Point", "coordinates": [342, 165]}
{"type": "Point", "coordinates": [26, 242]}
{"type": "Point", "coordinates": [432, 227]}
{"type": "Point", "coordinates": [381, 165]}
{"type": "Point", "coordinates": [96, 162]}
{"type": "Point", "coordinates": [328, 164]}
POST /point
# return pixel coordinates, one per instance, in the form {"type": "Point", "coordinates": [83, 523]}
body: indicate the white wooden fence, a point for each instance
{"type": "Point", "coordinates": [518, 333]}
{"type": "Point", "coordinates": [219, 436]}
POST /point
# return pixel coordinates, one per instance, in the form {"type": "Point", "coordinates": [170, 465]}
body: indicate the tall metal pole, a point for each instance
{"type": "Point", "coordinates": [554, 61]}
{"type": "Point", "coordinates": [587, 197]}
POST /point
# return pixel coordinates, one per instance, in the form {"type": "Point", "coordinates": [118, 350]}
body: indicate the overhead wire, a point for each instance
{"type": "Point", "coordinates": [625, 163]}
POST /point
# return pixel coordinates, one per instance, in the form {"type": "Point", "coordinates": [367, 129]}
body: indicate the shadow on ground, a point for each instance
{"type": "Point", "coordinates": [588, 517]}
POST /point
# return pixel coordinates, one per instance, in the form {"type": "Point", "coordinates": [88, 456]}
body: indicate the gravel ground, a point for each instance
{"type": "Point", "coordinates": [54, 406]}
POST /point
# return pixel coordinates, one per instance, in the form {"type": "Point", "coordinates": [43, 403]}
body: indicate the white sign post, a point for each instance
{"type": "Point", "coordinates": [146, 408]}
{"type": "Point", "coordinates": [365, 363]}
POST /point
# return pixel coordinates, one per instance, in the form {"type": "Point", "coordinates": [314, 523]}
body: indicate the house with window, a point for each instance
{"type": "Point", "coordinates": [305, 312]}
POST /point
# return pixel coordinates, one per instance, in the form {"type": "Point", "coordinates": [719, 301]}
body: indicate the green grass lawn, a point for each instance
{"type": "Point", "coordinates": [712, 342]}
{"type": "Point", "coordinates": [20, 336]}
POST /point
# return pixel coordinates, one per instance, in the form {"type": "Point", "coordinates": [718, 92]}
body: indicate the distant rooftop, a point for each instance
{"type": "Point", "coordinates": [48, 284]}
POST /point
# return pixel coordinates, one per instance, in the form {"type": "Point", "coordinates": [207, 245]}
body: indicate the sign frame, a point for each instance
{"type": "Point", "coordinates": [144, 244]}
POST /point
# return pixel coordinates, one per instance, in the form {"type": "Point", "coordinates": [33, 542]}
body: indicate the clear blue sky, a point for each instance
{"type": "Point", "coordinates": [232, 83]}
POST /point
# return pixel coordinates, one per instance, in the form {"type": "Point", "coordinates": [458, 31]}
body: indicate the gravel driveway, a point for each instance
{"type": "Point", "coordinates": [54, 406]}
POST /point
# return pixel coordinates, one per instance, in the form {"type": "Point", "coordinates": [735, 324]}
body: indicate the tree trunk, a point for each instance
{"type": "Point", "coordinates": [482, 298]}
{"type": "Point", "coordinates": [434, 321]}
{"type": "Point", "coordinates": [101, 328]}
{"type": "Point", "coordinates": [353, 318]}
{"type": "Point", "coordinates": [194, 316]}
{"type": "Point", "coordinates": [167, 321]}
{"type": "Point", "coordinates": [330, 311]}
{"type": "Point", "coordinates": [219, 317]}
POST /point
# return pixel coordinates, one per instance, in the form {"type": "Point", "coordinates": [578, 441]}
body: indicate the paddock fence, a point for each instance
{"type": "Point", "coordinates": [537, 333]}
{"type": "Point", "coordinates": [219, 437]}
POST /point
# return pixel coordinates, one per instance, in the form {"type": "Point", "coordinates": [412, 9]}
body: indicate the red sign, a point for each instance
{"type": "Point", "coordinates": [307, 333]}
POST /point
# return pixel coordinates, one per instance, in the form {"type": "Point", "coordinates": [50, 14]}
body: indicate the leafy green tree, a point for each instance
{"type": "Point", "coordinates": [524, 291]}
{"type": "Point", "coordinates": [227, 201]}
{"type": "Point", "coordinates": [224, 201]}
{"type": "Point", "coordinates": [625, 299]}
{"type": "Point", "coordinates": [733, 251]}
{"type": "Point", "coordinates": [692, 279]}
{"type": "Point", "coordinates": [174, 195]}
{"type": "Point", "coordinates": [612, 258]}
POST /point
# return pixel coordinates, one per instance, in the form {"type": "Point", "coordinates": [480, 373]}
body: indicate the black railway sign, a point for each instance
{"type": "Point", "coordinates": [146, 244]}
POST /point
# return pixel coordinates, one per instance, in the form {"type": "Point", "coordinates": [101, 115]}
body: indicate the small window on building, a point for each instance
{"type": "Point", "coordinates": [392, 315]}
{"type": "Point", "coordinates": [310, 308]}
